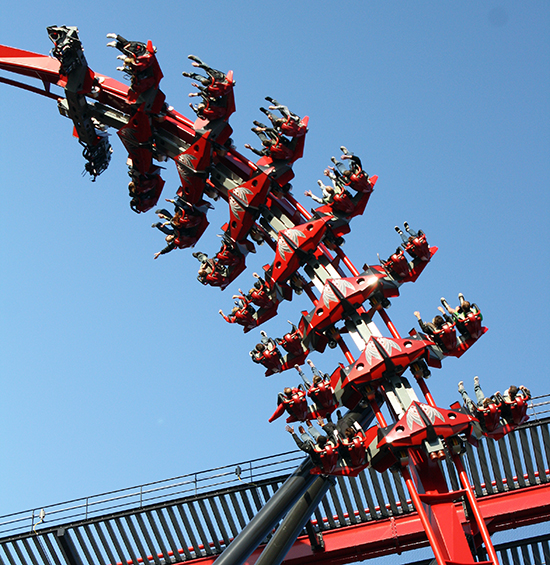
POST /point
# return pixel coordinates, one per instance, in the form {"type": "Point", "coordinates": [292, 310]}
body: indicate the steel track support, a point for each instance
{"type": "Point", "coordinates": [67, 547]}
{"type": "Point", "coordinates": [294, 522]}
{"type": "Point", "coordinates": [267, 518]}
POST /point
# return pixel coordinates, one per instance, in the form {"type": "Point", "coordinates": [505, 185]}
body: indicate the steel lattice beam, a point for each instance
{"type": "Point", "coordinates": [503, 511]}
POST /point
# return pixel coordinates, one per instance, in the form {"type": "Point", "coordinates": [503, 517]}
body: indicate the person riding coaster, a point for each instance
{"type": "Point", "coordinates": [397, 264]}
{"type": "Point", "coordinates": [292, 341]}
{"type": "Point", "coordinates": [497, 410]}
{"type": "Point", "coordinates": [441, 331]}
{"type": "Point", "coordinates": [141, 66]}
{"type": "Point", "coordinates": [268, 355]}
{"type": "Point", "coordinates": [415, 244]}
{"type": "Point", "coordinates": [294, 402]}
{"type": "Point", "coordinates": [466, 316]}
{"type": "Point", "coordinates": [320, 390]}
{"type": "Point", "coordinates": [216, 84]}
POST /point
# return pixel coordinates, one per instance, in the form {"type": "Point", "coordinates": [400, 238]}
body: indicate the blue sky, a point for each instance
{"type": "Point", "coordinates": [117, 369]}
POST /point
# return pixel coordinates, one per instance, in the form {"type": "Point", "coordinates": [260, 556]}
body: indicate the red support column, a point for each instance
{"type": "Point", "coordinates": [427, 394]}
{"type": "Point", "coordinates": [347, 262]}
{"type": "Point", "coordinates": [345, 350]}
{"type": "Point", "coordinates": [389, 323]}
{"type": "Point", "coordinates": [434, 542]}
{"type": "Point", "coordinates": [485, 536]}
{"type": "Point", "coordinates": [379, 416]}
{"type": "Point", "coordinates": [298, 206]}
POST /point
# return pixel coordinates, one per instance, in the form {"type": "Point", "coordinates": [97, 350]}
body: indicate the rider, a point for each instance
{"type": "Point", "coordinates": [481, 399]}
{"type": "Point", "coordinates": [431, 328]}
{"type": "Point", "coordinates": [328, 193]}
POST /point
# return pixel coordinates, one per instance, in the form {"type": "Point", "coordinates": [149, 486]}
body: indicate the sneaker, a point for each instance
{"type": "Point", "coordinates": [476, 381]}
{"type": "Point", "coordinates": [461, 386]}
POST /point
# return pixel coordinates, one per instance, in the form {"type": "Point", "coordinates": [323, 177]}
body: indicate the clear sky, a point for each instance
{"type": "Point", "coordinates": [117, 369]}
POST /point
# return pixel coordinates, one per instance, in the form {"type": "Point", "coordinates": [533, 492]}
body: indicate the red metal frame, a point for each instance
{"type": "Point", "coordinates": [505, 511]}
{"type": "Point", "coordinates": [440, 516]}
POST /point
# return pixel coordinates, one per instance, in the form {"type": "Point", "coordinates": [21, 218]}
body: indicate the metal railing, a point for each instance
{"type": "Point", "coordinates": [197, 515]}
{"type": "Point", "coordinates": [150, 493]}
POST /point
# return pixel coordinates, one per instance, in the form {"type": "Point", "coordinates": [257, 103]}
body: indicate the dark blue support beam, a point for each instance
{"type": "Point", "coordinates": [67, 547]}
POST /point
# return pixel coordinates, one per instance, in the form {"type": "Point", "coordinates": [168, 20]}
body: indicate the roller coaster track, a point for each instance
{"type": "Point", "coordinates": [193, 518]}
{"type": "Point", "coordinates": [420, 451]}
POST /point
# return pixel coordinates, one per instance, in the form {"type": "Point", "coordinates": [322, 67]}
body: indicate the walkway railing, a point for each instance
{"type": "Point", "coordinates": [133, 498]}
{"type": "Point", "coordinates": [197, 515]}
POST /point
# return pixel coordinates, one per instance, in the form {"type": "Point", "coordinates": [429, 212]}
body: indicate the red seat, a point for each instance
{"type": "Point", "coordinates": [296, 406]}
{"type": "Point", "coordinates": [472, 324]}
{"type": "Point", "coordinates": [446, 337]}
{"type": "Point", "coordinates": [519, 410]}
{"type": "Point", "coordinates": [323, 395]}
{"type": "Point", "coordinates": [329, 458]}
{"type": "Point", "coordinates": [418, 247]}
{"type": "Point", "coordinates": [397, 264]}
{"type": "Point", "coordinates": [357, 452]}
{"type": "Point", "coordinates": [490, 417]}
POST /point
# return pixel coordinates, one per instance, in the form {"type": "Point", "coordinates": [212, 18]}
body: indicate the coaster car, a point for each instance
{"type": "Point", "coordinates": [344, 206]}
{"type": "Point", "coordinates": [295, 404]}
{"type": "Point", "coordinates": [502, 417]}
{"type": "Point", "coordinates": [244, 203]}
{"type": "Point", "coordinates": [216, 89]}
{"type": "Point", "coordinates": [381, 356]}
{"type": "Point", "coordinates": [404, 271]}
{"type": "Point", "coordinates": [285, 149]}
{"type": "Point", "coordinates": [141, 65]}
{"type": "Point", "coordinates": [269, 357]}
{"type": "Point", "coordinates": [193, 165]}
{"type": "Point", "coordinates": [446, 338]}
{"type": "Point", "coordinates": [421, 423]}
{"type": "Point", "coordinates": [352, 456]}
{"type": "Point", "coordinates": [294, 246]}
{"type": "Point", "coordinates": [328, 459]}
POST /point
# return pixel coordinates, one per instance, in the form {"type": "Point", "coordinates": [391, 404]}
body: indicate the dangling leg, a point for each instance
{"type": "Point", "coordinates": [301, 373]}
{"type": "Point", "coordinates": [408, 230]}
{"type": "Point", "coordinates": [480, 397]}
{"type": "Point", "coordinates": [164, 229]}
{"type": "Point", "coordinates": [403, 236]}
{"type": "Point", "coordinates": [468, 402]}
